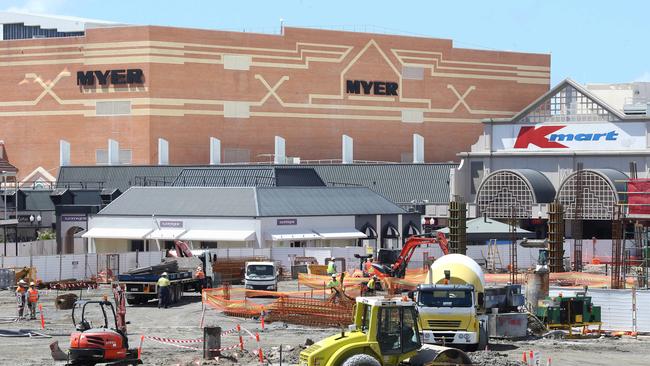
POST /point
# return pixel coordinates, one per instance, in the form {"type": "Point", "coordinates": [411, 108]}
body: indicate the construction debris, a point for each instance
{"type": "Point", "coordinates": [488, 358]}
{"type": "Point", "coordinates": [65, 301]}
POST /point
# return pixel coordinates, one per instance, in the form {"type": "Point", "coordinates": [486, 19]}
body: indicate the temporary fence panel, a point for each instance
{"type": "Point", "coordinates": [320, 254]}
{"type": "Point", "coordinates": [34, 248]}
{"type": "Point", "coordinates": [286, 255]}
{"type": "Point", "coordinates": [616, 307]}
{"type": "Point", "coordinates": [348, 253]}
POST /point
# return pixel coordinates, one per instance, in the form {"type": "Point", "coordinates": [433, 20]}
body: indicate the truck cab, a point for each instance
{"type": "Point", "coordinates": [261, 276]}
{"type": "Point", "coordinates": [448, 315]}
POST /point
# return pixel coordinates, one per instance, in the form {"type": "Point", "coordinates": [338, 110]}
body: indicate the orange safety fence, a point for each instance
{"type": "Point", "coordinates": [312, 307]}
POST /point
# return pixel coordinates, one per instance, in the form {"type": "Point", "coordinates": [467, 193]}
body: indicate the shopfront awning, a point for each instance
{"type": "Point", "coordinates": [117, 233]}
{"type": "Point", "coordinates": [340, 233]}
{"type": "Point", "coordinates": [219, 235]}
{"type": "Point", "coordinates": [294, 235]}
{"type": "Point", "coordinates": [165, 234]}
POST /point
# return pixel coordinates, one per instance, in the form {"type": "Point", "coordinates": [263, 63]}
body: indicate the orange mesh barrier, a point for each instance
{"type": "Point", "coordinates": [312, 307]}
{"type": "Point", "coordinates": [312, 312]}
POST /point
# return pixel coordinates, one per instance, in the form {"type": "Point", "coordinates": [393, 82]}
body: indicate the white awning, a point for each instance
{"type": "Point", "coordinates": [219, 235]}
{"type": "Point", "coordinates": [341, 233]}
{"type": "Point", "coordinates": [303, 234]}
{"type": "Point", "coordinates": [117, 233]}
{"type": "Point", "coordinates": [166, 234]}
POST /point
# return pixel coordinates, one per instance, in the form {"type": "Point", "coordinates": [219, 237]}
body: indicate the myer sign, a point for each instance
{"type": "Point", "coordinates": [577, 136]}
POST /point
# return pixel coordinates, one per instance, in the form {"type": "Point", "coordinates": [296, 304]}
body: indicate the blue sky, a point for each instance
{"type": "Point", "coordinates": [592, 41]}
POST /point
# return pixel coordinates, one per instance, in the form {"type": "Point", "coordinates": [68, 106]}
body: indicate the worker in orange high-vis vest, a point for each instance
{"type": "Point", "coordinates": [32, 299]}
{"type": "Point", "coordinates": [21, 297]}
{"type": "Point", "coordinates": [200, 275]}
{"type": "Point", "coordinates": [368, 268]}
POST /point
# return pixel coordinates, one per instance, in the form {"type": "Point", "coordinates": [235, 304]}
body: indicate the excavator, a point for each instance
{"type": "Point", "coordinates": [393, 264]}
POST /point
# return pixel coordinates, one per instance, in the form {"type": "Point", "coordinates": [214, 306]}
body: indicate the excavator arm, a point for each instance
{"type": "Point", "coordinates": [398, 268]}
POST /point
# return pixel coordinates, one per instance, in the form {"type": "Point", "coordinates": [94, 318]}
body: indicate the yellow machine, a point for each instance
{"type": "Point", "coordinates": [385, 333]}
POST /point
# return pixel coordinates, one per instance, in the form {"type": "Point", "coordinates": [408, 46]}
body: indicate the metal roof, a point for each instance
{"type": "Point", "coordinates": [400, 183]}
{"type": "Point", "coordinates": [539, 183]}
{"type": "Point", "coordinates": [323, 201]}
{"type": "Point", "coordinates": [247, 176]}
{"type": "Point", "coordinates": [184, 201]}
{"type": "Point", "coordinates": [249, 202]}
{"type": "Point", "coordinates": [121, 177]}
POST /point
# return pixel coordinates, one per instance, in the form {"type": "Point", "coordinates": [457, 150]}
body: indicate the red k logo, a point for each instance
{"type": "Point", "coordinates": [537, 136]}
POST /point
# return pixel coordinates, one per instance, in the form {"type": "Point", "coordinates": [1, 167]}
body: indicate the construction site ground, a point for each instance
{"type": "Point", "coordinates": [182, 321]}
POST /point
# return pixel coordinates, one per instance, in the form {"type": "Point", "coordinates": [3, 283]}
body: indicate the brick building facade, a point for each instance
{"type": "Point", "coordinates": [136, 84]}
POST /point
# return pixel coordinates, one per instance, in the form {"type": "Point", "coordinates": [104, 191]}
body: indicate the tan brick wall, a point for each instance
{"type": "Point", "coordinates": [294, 85]}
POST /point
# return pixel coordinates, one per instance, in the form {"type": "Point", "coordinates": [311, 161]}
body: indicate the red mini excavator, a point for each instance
{"type": "Point", "coordinates": [101, 343]}
{"type": "Point", "coordinates": [393, 264]}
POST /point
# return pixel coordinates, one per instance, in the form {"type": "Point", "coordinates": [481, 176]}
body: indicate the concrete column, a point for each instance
{"type": "Point", "coordinates": [215, 151]}
{"type": "Point", "coordinates": [280, 155]}
{"type": "Point", "coordinates": [347, 150]}
{"type": "Point", "coordinates": [400, 224]}
{"type": "Point", "coordinates": [163, 152]}
{"type": "Point", "coordinates": [379, 233]}
{"type": "Point", "coordinates": [64, 153]}
{"type": "Point", "coordinates": [113, 152]}
{"type": "Point", "coordinates": [418, 149]}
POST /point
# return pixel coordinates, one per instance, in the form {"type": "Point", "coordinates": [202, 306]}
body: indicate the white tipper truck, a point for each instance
{"type": "Point", "coordinates": [261, 276]}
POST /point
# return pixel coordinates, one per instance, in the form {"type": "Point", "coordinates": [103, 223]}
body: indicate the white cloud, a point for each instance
{"type": "Point", "coordinates": [645, 77]}
{"type": "Point", "coordinates": [38, 6]}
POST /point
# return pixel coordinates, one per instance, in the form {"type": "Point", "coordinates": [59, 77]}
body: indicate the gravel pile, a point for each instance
{"type": "Point", "coordinates": [489, 358]}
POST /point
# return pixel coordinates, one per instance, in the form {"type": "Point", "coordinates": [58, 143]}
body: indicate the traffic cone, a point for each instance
{"type": "Point", "coordinates": [548, 362]}
{"type": "Point", "coordinates": [524, 360]}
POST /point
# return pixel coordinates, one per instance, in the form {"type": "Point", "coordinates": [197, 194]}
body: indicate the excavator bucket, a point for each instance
{"type": "Point", "coordinates": [432, 355]}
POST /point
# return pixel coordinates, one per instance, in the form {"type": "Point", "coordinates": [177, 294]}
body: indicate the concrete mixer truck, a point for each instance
{"type": "Point", "coordinates": [451, 303]}
{"type": "Point", "coordinates": [457, 309]}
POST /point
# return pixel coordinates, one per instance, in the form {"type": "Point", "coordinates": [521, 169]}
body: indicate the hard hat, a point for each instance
{"type": "Point", "coordinates": [22, 283]}
{"type": "Point", "coordinates": [374, 276]}
{"type": "Point", "coordinates": [333, 275]}
{"type": "Point", "coordinates": [32, 284]}
{"type": "Point", "coordinates": [332, 258]}
{"type": "Point", "coordinates": [164, 274]}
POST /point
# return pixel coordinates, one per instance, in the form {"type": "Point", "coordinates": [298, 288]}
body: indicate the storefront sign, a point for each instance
{"type": "Point", "coordinates": [73, 218]}
{"type": "Point", "coordinates": [371, 87]}
{"type": "Point", "coordinates": [115, 77]}
{"type": "Point", "coordinates": [576, 136]}
{"type": "Point", "coordinates": [174, 224]}
{"type": "Point", "coordinates": [287, 222]}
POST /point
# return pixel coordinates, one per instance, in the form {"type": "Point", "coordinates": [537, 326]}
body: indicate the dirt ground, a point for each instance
{"type": "Point", "coordinates": [182, 322]}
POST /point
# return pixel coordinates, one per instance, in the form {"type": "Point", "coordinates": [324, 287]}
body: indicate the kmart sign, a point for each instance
{"type": "Point", "coordinates": [577, 136]}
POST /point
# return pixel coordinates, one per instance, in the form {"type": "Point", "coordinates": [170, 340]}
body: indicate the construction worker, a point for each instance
{"type": "Point", "coordinates": [32, 299]}
{"type": "Point", "coordinates": [372, 285]}
{"type": "Point", "coordinates": [163, 290]}
{"type": "Point", "coordinates": [368, 268]}
{"type": "Point", "coordinates": [333, 282]}
{"type": "Point", "coordinates": [200, 275]}
{"type": "Point", "coordinates": [21, 297]}
{"type": "Point", "coordinates": [331, 267]}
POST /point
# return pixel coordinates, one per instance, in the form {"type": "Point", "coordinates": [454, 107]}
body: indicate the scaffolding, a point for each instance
{"type": "Point", "coordinates": [618, 224]}
{"type": "Point", "coordinates": [576, 223]}
{"type": "Point", "coordinates": [513, 245]}
{"type": "Point", "coordinates": [556, 237]}
{"type": "Point", "coordinates": [457, 226]}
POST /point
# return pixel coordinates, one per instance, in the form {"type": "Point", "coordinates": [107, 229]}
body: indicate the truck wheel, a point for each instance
{"type": "Point", "coordinates": [361, 360]}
